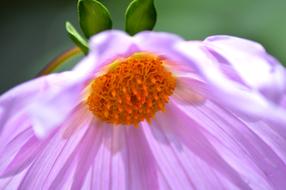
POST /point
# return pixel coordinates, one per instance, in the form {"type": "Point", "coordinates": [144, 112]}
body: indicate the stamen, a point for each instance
{"type": "Point", "coordinates": [132, 90]}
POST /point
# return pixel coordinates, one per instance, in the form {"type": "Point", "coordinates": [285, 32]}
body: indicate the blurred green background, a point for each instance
{"type": "Point", "coordinates": [32, 32]}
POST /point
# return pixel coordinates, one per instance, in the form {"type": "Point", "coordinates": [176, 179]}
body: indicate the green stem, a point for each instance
{"type": "Point", "coordinates": [59, 60]}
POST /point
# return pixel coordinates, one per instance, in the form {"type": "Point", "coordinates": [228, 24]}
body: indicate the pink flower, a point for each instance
{"type": "Point", "coordinates": [150, 112]}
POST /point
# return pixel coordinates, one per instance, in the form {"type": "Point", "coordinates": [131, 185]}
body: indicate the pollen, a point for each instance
{"type": "Point", "coordinates": [132, 90]}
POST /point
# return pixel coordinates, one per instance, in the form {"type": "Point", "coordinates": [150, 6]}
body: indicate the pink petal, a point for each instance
{"type": "Point", "coordinates": [18, 149]}
{"type": "Point", "coordinates": [123, 161]}
{"type": "Point", "coordinates": [57, 156]}
{"type": "Point", "coordinates": [141, 164]}
{"type": "Point", "coordinates": [101, 155]}
{"type": "Point", "coordinates": [257, 163]}
{"type": "Point", "coordinates": [78, 117]}
{"type": "Point", "coordinates": [17, 98]}
{"type": "Point", "coordinates": [185, 156]}
{"type": "Point", "coordinates": [252, 63]}
{"type": "Point", "coordinates": [109, 45]}
{"type": "Point", "coordinates": [104, 48]}
{"type": "Point", "coordinates": [24, 150]}
{"type": "Point", "coordinates": [101, 168]}
{"type": "Point", "coordinates": [275, 140]}
{"type": "Point", "coordinates": [62, 90]}
{"type": "Point", "coordinates": [9, 150]}
{"type": "Point", "coordinates": [167, 160]}
{"type": "Point", "coordinates": [157, 42]}
{"type": "Point", "coordinates": [248, 102]}
{"type": "Point", "coordinates": [88, 147]}
{"type": "Point", "coordinates": [12, 183]}
{"type": "Point", "coordinates": [190, 90]}
{"type": "Point", "coordinates": [23, 157]}
{"type": "Point", "coordinates": [15, 127]}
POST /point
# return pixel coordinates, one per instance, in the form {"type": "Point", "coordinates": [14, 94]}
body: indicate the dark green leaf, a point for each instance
{"type": "Point", "coordinates": [140, 15]}
{"type": "Point", "coordinates": [93, 17]}
{"type": "Point", "coordinates": [77, 38]}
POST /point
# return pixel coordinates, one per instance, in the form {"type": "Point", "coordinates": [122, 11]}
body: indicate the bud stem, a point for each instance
{"type": "Point", "coordinates": [59, 60]}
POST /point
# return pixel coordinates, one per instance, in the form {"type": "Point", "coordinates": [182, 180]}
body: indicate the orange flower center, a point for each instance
{"type": "Point", "coordinates": [132, 90]}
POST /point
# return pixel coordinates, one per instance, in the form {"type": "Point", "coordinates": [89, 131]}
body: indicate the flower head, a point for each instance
{"type": "Point", "coordinates": [133, 90]}
{"type": "Point", "coordinates": [150, 111]}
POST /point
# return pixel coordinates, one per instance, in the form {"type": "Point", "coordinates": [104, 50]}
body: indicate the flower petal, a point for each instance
{"type": "Point", "coordinates": [13, 182]}
{"type": "Point", "coordinates": [19, 148]}
{"type": "Point", "coordinates": [242, 149]}
{"type": "Point", "coordinates": [104, 48]}
{"type": "Point", "coordinates": [272, 137]}
{"type": "Point", "coordinates": [54, 158]}
{"type": "Point", "coordinates": [189, 165]}
{"type": "Point", "coordinates": [253, 64]}
{"type": "Point", "coordinates": [244, 101]}
{"type": "Point", "coordinates": [102, 155]}
{"type": "Point", "coordinates": [166, 159]}
{"type": "Point", "coordinates": [190, 90]}
{"type": "Point", "coordinates": [23, 157]}
{"type": "Point", "coordinates": [157, 42]}
{"type": "Point", "coordinates": [185, 156]}
{"type": "Point", "coordinates": [109, 45]}
{"type": "Point", "coordinates": [88, 146]}
{"type": "Point", "coordinates": [123, 161]}
{"type": "Point", "coordinates": [141, 164]}
{"type": "Point", "coordinates": [37, 98]}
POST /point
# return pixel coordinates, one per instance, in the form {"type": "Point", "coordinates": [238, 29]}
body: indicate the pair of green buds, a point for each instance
{"type": "Point", "coordinates": [94, 17]}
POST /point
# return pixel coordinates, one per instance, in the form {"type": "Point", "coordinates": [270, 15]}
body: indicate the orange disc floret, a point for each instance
{"type": "Point", "coordinates": [132, 90]}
